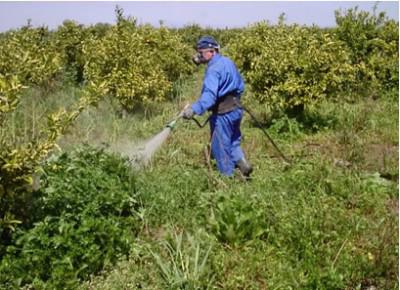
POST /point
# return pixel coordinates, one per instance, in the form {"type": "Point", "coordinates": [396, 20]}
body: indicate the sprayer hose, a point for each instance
{"type": "Point", "coordinates": [198, 123]}
{"type": "Point", "coordinates": [266, 134]}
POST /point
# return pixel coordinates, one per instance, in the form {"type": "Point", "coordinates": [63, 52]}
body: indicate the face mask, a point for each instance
{"type": "Point", "coordinates": [198, 59]}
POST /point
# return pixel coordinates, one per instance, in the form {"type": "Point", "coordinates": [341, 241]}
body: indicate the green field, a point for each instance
{"type": "Point", "coordinates": [328, 220]}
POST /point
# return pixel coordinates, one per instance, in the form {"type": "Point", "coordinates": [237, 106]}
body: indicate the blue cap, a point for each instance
{"type": "Point", "coordinates": [207, 42]}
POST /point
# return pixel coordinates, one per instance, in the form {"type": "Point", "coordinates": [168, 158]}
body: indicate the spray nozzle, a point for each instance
{"type": "Point", "coordinates": [171, 124]}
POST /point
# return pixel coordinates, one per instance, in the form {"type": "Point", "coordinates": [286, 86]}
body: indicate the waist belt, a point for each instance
{"type": "Point", "coordinates": [226, 104]}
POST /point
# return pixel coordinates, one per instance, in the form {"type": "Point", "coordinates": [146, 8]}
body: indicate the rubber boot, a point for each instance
{"type": "Point", "coordinates": [245, 168]}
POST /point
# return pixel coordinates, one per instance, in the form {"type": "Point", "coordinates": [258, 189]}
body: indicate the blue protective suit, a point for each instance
{"type": "Point", "coordinates": [222, 78]}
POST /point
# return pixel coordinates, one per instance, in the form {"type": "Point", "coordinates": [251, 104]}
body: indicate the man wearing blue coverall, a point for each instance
{"type": "Point", "coordinates": [222, 88]}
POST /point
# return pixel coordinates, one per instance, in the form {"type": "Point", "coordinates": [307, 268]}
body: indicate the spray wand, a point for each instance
{"type": "Point", "coordinates": [172, 124]}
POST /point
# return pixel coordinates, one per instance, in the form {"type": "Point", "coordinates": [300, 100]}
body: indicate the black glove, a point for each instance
{"type": "Point", "coordinates": [188, 113]}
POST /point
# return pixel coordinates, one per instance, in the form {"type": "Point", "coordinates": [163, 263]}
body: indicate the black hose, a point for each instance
{"type": "Point", "coordinates": [265, 133]}
{"type": "Point", "coordinates": [198, 123]}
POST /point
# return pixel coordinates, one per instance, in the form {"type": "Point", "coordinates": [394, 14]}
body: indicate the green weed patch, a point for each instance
{"type": "Point", "coordinates": [83, 218]}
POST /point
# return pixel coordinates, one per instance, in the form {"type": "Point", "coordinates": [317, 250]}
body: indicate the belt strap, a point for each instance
{"type": "Point", "coordinates": [226, 104]}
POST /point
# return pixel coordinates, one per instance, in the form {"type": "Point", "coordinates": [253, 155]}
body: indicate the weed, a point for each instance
{"type": "Point", "coordinates": [236, 219]}
{"type": "Point", "coordinates": [183, 263]}
{"type": "Point", "coordinates": [82, 219]}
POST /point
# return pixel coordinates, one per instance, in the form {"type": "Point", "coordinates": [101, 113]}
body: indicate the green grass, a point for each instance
{"type": "Point", "coordinates": [309, 227]}
{"type": "Point", "coordinates": [327, 221]}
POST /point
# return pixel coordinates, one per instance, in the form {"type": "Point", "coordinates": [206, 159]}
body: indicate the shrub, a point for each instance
{"type": "Point", "coordinates": [135, 64]}
{"type": "Point", "coordinates": [291, 66]}
{"type": "Point", "coordinates": [83, 218]}
{"type": "Point", "coordinates": [373, 41]}
{"type": "Point", "coordinates": [31, 55]}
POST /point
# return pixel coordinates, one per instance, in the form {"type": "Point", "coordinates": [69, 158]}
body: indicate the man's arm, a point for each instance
{"type": "Point", "coordinates": [209, 93]}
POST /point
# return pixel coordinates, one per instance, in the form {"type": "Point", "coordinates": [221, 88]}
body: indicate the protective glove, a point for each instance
{"type": "Point", "coordinates": [188, 113]}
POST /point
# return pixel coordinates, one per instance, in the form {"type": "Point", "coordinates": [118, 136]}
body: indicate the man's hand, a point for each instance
{"type": "Point", "coordinates": [188, 113]}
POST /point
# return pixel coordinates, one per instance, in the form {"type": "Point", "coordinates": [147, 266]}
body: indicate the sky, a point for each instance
{"type": "Point", "coordinates": [216, 14]}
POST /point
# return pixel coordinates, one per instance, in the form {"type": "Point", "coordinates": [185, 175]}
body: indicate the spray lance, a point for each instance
{"type": "Point", "coordinates": [172, 124]}
{"type": "Point", "coordinates": [264, 131]}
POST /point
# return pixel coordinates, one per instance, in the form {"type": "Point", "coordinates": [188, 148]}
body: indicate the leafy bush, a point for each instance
{"type": "Point", "coordinates": [289, 66]}
{"type": "Point", "coordinates": [31, 55]}
{"type": "Point", "coordinates": [21, 159]}
{"type": "Point", "coordinates": [83, 218]}
{"type": "Point", "coordinates": [135, 64]}
{"type": "Point", "coordinates": [237, 220]}
{"type": "Point", "coordinates": [69, 37]}
{"type": "Point", "coordinates": [373, 41]}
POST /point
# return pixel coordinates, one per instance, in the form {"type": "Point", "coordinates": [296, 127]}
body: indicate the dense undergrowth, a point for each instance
{"type": "Point", "coordinates": [81, 219]}
{"type": "Point", "coordinates": [327, 221]}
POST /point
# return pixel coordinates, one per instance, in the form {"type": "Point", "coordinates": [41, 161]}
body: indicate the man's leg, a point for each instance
{"type": "Point", "coordinates": [236, 137]}
{"type": "Point", "coordinates": [237, 152]}
{"type": "Point", "coordinates": [221, 135]}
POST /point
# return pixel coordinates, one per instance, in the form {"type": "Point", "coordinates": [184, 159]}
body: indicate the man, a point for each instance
{"type": "Point", "coordinates": [222, 88]}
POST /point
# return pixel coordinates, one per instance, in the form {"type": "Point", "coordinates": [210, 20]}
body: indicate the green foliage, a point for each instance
{"type": "Point", "coordinates": [10, 94]}
{"type": "Point", "coordinates": [329, 221]}
{"type": "Point", "coordinates": [20, 161]}
{"type": "Point", "coordinates": [236, 220]}
{"type": "Point", "coordinates": [184, 263]}
{"type": "Point", "coordinates": [136, 65]}
{"type": "Point", "coordinates": [31, 55]}
{"type": "Point", "coordinates": [357, 29]}
{"type": "Point", "coordinates": [28, 57]}
{"type": "Point", "coordinates": [311, 226]}
{"type": "Point", "coordinates": [373, 41]}
{"type": "Point", "coordinates": [289, 66]}
{"type": "Point", "coordinates": [69, 38]}
{"type": "Point", "coordinates": [83, 218]}
{"type": "Point", "coordinates": [191, 34]}
{"type": "Point", "coordinates": [35, 56]}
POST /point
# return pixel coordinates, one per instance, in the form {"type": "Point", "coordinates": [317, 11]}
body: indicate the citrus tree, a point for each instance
{"type": "Point", "coordinates": [288, 66]}
{"type": "Point", "coordinates": [69, 38]}
{"type": "Point", "coordinates": [31, 55]}
{"type": "Point", "coordinates": [135, 64]}
{"type": "Point", "coordinates": [373, 42]}
{"type": "Point", "coordinates": [28, 57]}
